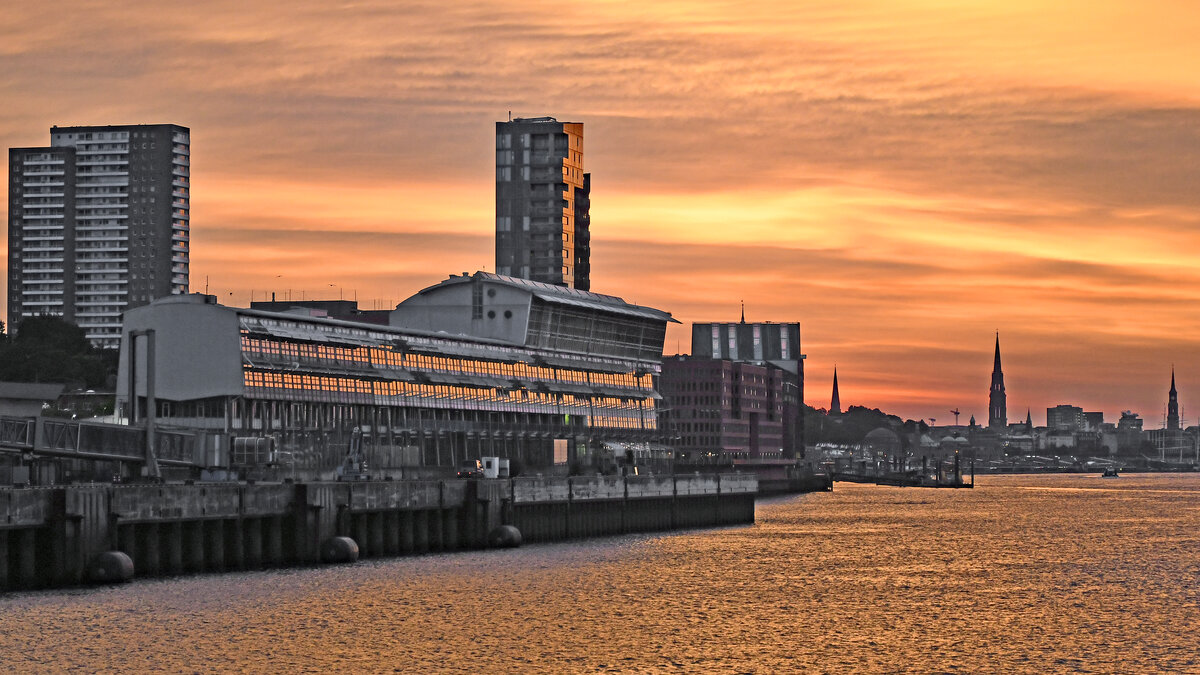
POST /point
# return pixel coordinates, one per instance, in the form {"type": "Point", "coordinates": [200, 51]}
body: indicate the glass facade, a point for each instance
{"type": "Point", "coordinates": [288, 368]}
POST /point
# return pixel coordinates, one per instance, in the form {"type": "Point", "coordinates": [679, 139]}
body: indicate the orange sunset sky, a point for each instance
{"type": "Point", "coordinates": [903, 178]}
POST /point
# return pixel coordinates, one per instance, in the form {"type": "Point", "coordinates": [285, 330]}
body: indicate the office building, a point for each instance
{"type": "Point", "coordinates": [775, 345]}
{"type": "Point", "coordinates": [718, 407]}
{"type": "Point", "coordinates": [1065, 418]}
{"type": "Point", "coordinates": [98, 223]}
{"type": "Point", "coordinates": [542, 202]}
{"type": "Point", "coordinates": [475, 366]}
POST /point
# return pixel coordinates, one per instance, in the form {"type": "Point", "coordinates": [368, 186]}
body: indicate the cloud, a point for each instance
{"type": "Point", "coordinates": [903, 178]}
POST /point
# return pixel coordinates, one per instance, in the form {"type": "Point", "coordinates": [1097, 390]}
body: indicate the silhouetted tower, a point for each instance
{"type": "Point", "coordinates": [1172, 406]}
{"type": "Point", "coordinates": [1028, 421]}
{"type": "Point", "coordinates": [998, 402]}
{"type": "Point", "coordinates": [835, 406]}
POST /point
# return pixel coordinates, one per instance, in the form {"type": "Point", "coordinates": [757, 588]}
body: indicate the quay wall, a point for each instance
{"type": "Point", "coordinates": [54, 536]}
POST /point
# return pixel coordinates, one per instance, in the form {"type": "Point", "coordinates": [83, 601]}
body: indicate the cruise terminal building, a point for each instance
{"type": "Point", "coordinates": [477, 365]}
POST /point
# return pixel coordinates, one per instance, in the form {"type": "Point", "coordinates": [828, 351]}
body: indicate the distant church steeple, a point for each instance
{"type": "Point", "coordinates": [835, 406]}
{"type": "Point", "coordinates": [997, 400]}
{"type": "Point", "coordinates": [1028, 421]}
{"type": "Point", "coordinates": [1172, 405]}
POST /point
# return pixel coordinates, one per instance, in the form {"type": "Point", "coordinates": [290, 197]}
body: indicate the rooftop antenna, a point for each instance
{"type": "Point", "coordinates": [743, 311]}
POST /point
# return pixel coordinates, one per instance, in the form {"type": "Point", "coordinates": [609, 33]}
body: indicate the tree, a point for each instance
{"type": "Point", "coordinates": [48, 349]}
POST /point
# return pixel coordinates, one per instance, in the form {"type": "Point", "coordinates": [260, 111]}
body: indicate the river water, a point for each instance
{"type": "Point", "coordinates": [1022, 574]}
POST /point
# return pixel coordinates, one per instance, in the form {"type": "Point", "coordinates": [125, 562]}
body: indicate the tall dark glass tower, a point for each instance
{"type": "Point", "coordinates": [997, 400]}
{"type": "Point", "coordinates": [1172, 406]}
{"type": "Point", "coordinates": [543, 199]}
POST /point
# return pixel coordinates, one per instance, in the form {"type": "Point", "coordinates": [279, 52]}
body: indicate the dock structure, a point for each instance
{"type": "Point", "coordinates": [62, 536]}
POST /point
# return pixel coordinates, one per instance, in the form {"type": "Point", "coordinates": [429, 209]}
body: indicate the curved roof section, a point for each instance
{"type": "Point", "coordinates": [882, 437]}
{"type": "Point", "coordinates": [561, 295]}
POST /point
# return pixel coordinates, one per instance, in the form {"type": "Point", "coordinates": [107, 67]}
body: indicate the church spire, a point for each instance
{"type": "Point", "coordinates": [1173, 405]}
{"type": "Point", "coordinates": [997, 400]}
{"type": "Point", "coordinates": [835, 405]}
{"type": "Point", "coordinates": [743, 311]}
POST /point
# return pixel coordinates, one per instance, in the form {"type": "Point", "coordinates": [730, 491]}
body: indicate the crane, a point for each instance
{"type": "Point", "coordinates": [955, 413]}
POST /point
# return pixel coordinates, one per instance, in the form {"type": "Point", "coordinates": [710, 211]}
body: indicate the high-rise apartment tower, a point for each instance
{"type": "Point", "coordinates": [542, 202]}
{"type": "Point", "coordinates": [97, 224]}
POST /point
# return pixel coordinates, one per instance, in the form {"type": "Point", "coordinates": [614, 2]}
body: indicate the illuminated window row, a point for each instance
{"type": "Point", "coordinates": [379, 357]}
{"type": "Point", "coordinates": [612, 422]}
{"type": "Point", "coordinates": [322, 388]}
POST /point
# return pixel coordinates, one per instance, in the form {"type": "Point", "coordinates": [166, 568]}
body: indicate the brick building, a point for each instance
{"type": "Point", "coordinates": [717, 407]}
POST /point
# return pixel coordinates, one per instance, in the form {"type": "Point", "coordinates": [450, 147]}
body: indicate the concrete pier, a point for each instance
{"type": "Point", "coordinates": [50, 536]}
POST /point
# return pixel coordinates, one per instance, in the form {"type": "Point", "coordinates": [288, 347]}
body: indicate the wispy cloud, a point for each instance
{"type": "Point", "coordinates": [903, 178]}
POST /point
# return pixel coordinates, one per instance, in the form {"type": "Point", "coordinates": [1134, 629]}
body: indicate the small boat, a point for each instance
{"type": "Point", "coordinates": [1111, 472]}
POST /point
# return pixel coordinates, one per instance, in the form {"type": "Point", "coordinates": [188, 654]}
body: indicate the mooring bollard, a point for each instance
{"type": "Point", "coordinates": [339, 550]}
{"type": "Point", "coordinates": [504, 536]}
{"type": "Point", "coordinates": [111, 567]}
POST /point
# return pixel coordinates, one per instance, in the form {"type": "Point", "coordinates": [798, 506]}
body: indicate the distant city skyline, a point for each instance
{"type": "Point", "coordinates": [902, 179]}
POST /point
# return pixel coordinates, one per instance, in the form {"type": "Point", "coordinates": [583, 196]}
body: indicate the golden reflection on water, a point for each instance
{"type": "Point", "coordinates": [1100, 577]}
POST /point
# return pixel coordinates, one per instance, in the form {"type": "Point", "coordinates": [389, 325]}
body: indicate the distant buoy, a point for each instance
{"type": "Point", "coordinates": [339, 550]}
{"type": "Point", "coordinates": [504, 536]}
{"type": "Point", "coordinates": [111, 567]}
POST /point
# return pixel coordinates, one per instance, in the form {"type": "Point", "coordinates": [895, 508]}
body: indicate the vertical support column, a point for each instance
{"type": "Point", "coordinates": [3, 560]}
{"type": "Point", "coordinates": [235, 548]}
{"type": "Point", "coordinates": [408, 532]}
{"type": "Point", "coordinates": [375, 527]}
{"type": "Point", "coordinates": [25, 541]}
{"type": "Point", "coordinates": [131, 358]}
{"type": "Point", "coordinates": [420, 531]}
{"type": "Point", "coordinates": [362, 534]}
{"type": "Point", "coordinates": [273, 540]}
{"type": "Point", "coordinates": [152, 470]}
{"type": "Point", "coordinates": [436, 542]}
{"type": "Point", "coordinates": [254, 543]}
{"type": "Point", "coordinates": [449, 529]}
{"type": "Point", "coordinates": [214, 536]}
{"type": "Point", "coordinates": [674, 524]}
{"type": "Point", "coordinates": [193, 534]}
{"type": "Point", "coordinates": [64, 544]}
{"type": "Point", "coordinates": [391, 533]}
{"type": "Point", "coordinates": [172, 534]}
{"type": "Point", "coordinates": [149, 549]}
{"type": "Point", "coordinates": [127, 542]}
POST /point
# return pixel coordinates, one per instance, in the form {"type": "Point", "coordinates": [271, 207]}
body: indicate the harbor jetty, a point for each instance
{"type": "Point", "coordinates": [68, 535]}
